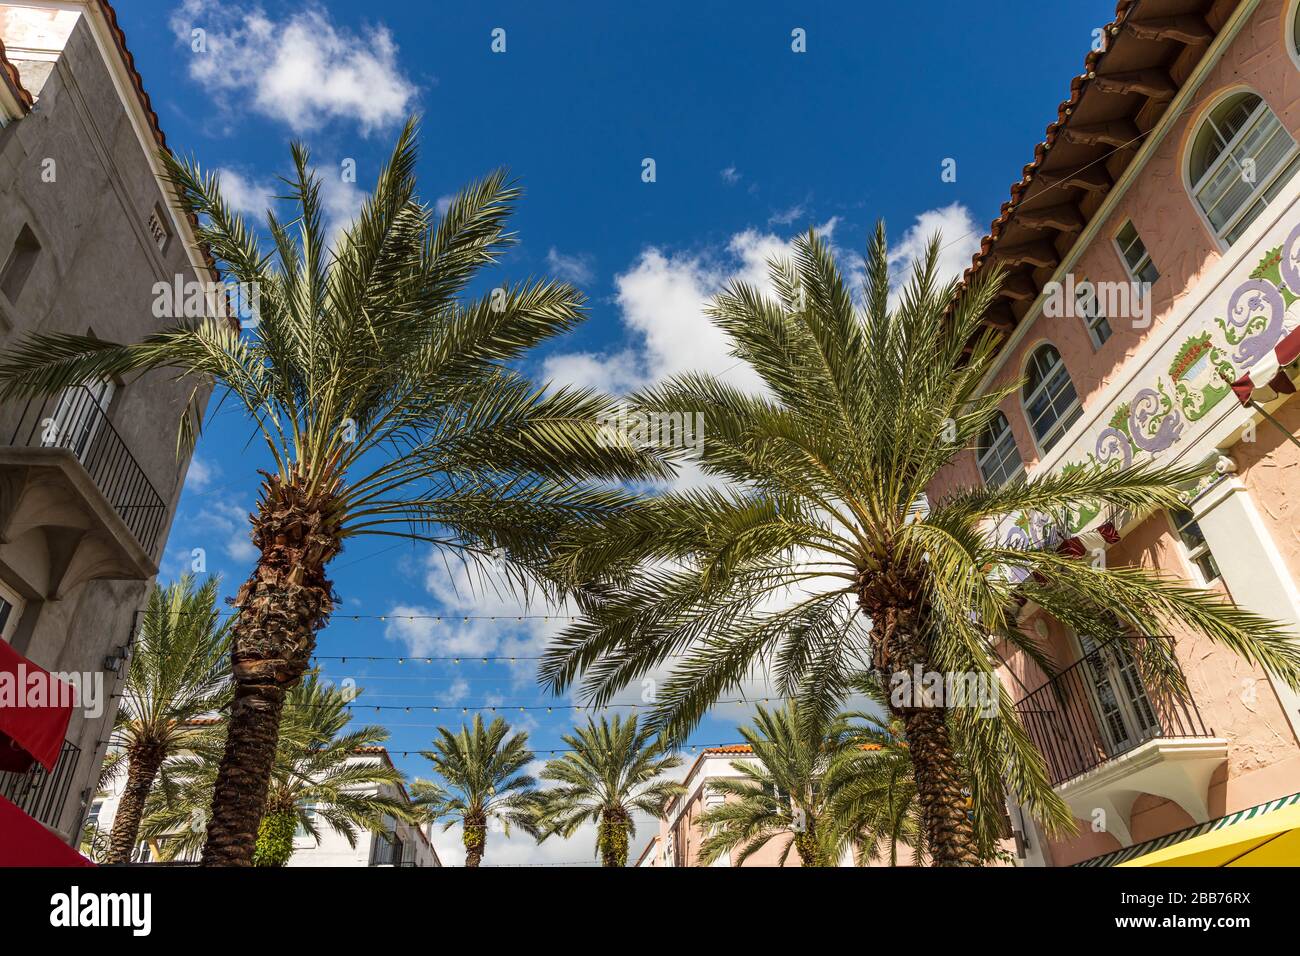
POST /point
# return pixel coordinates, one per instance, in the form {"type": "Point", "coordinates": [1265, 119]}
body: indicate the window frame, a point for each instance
{"type": "Point", "coordinates": [992, 452]}
{"type": "Point", "coordinates": [1290, 162]}
{"type": "Point", "coordinates": [1291, 31]}
{"type": "Point", "coordinates": [17, 605]}
{"type": "Point", "coordinates": [1194, 555]}
{"type": "Point", "coordinates": [1134, 272]}
{"type": "Point", "coordinates": [1066, 419]}
{"type": "Point", "coordinates": [1098, 319]}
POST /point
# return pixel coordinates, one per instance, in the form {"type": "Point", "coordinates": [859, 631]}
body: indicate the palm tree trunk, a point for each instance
{"type": "Point", "coordinates": [281, 607]}
{"type": "Point", "coordinates": [612, 838]}
{"type": "Point", "coordinates": [949, 832]}
{"type": "Point", "coordinates": [808, 846]}
{"type": "Point", "coordinates": [474, 836]}
{"type": "Point", "coordinates": [142, 769]}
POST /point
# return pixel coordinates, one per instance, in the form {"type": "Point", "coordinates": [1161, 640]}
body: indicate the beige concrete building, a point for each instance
{"type": "Point", "coordinates": [89, 479]}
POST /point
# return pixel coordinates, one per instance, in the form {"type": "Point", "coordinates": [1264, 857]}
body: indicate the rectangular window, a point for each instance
{"type": "Point", "coordinates": [11, 609]}
{"type": "Point", "coordinates": [1197, 550]}
{"type": "Point", "coordinates": [19, 264]}
{"type": "Point", "coordinates": [1088, 308]}
{"type": "Point", "coordinates": [158, 230]}
{"type": "Point", "coordinates": [1134, 253]}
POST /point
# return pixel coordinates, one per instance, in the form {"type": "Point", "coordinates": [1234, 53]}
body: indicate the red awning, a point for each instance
{"type": "Point", "coordinates": [1089, 541]}
{"type": "Point", "coordinates": [27, 843]}
{"type": "Point", "coordinates": [34, 713]}
{"type": "Point", "coordinates": [1272, 376]}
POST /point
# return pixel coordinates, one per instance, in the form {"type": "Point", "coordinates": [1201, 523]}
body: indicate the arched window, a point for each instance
{"type": "Point", "coordinates": [1051, 403]}
{"type": "Point", "coordinates": [1294, 37]}
{"type": "Point", "coordinates": [998, 456]}
{"type": "Point", "coordinates": [1241, 157]}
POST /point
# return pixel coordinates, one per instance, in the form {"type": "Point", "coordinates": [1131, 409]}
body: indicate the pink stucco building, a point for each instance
{"type": "Point", "coordinates": [1153, 257]}
{"type": "Point", "coordinates": [677, 842]}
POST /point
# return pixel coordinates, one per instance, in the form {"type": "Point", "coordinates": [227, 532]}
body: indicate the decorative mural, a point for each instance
{"type": "Point", "coordinates": [1192, 376]}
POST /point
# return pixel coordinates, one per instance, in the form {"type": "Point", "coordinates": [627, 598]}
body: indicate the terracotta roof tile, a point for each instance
{"type": "Point", "coordinates": [1063, 112]}
{"type": "Point", "coordinates": [119, 38]}
{"type": "Point", "coordinates": [9, 73]}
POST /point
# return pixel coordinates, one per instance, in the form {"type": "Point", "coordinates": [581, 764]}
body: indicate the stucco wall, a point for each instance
{"type": "Point", "coordinates": [1235, 699]}
{"type": "Point", "coordinates": [1175, 235]}
{"type": "Point", "coordinates": [94, 274]}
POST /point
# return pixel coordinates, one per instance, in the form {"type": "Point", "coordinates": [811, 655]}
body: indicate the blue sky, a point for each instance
{"type": "Point", "coordinates": [751, 142]}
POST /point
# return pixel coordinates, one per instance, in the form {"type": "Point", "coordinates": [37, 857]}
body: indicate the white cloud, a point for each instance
{"type": "Point", "coordinates": [247, 198]}
{"type": "Point", "coordinates": [730, 175]}
{"type": "Point", "coordinates": [576, 269]}
{"type": "Point", "coordinates": [616, 372]}
{"type": "Point", "coordinates": [340, 199]}
{"type": "Point", "coordinates": [443, 204]}
{"type": "Point", "coordinates": [783, 217]}
{"type": "Point", "coordinates": [960, 241]}
{"type": "Point", "coordinates": [200, 474]}
{"type": "Point", "coordinates": [456, 624]}
{"type": "Point", "coordinates": [304, 70]}
{"type": "Point", "coordinates": [663, 298]}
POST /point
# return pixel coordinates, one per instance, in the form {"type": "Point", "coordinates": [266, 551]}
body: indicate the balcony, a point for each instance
{"type": "Point", "coordinates": [69, 481]}
{"type": "Point", "coordinates": [389, 849]}
{"type": "Point", "coordinates": [1106, 739]}
{"type": "Point", "coordinates": [40, 794]}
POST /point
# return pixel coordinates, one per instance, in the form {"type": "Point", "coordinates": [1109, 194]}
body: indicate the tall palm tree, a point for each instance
{"type": "Point", "coordinates": [611, 771]}
{"type": "Point", "coordinates": [782, 793]}
{"type": "Point", "coordinates": [483, 780]}
{"type": "Point", "coordinates": [315, 779]}
{"type": "Point", "coordinates": [815, 558]}
{"type": "Point", "coordinates": [389, 406]}
{"type": "Point", "coordinates": [179, 670]}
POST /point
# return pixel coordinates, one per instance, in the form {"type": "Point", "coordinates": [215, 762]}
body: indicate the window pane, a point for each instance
{"type": "Point", "coordinates": [998, 457]}
{"type": "Point", "coordinates": [1100, 329]}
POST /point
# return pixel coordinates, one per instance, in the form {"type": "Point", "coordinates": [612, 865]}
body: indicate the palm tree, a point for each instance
{"type": "Point", "coordinates": [783, 792]}
{"type": "Point", "coordinates": [315, 779]}
{"type": "Point", "coordinates": [179, 670]}
{"type": "Point", "coordinates": [872, 794]}
{"type": "Point", "coordinates": [815, 559]}
{"type": "Point", "coordinates": [611, 771]}
{"type": "Point", "coordinates": [389, 406]}
{"type": "Point", "coordinates": [482, 781]}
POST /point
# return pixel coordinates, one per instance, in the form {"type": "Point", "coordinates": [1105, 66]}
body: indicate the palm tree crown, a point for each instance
{"type": "Point", "coordinates": [483, 781]}
{"type": "Point", "coordinates": [783, 792]}
{"type": "Point", "coordinates": [317, 779]}
{"type": "Point", "coordinates": [179, 670]}
{"type": "Point", "coordinates": [388, 402]}
{"type": "Point", "coordinates": [612, 770]}
{"type": "Point", "coordinates": [814, 561]}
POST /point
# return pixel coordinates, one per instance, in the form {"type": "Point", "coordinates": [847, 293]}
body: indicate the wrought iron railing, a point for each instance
{"type": "Point", "coordinates": [75, 420]}
{"type": "Point", "coordinates": [42, 794]}
{"type": "Point", "coordinates": [1099, 708]}
{"type": "Point", "coordinates": [391, 850]}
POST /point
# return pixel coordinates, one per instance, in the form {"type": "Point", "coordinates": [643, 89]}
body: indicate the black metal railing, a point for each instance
{"type": "Point", "coordinates": [391, 850]}
{"type": "Point", "coordinates": [42, 794]}
{"type": "Point", "coordinates": [76, 421]}
{"type": "Point", "coordinates": [1100, 708]}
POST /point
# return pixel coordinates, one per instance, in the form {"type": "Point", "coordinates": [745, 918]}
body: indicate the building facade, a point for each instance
{"type": "Point", "coordinates": [90, 478]}
{"type": "Point", "coordinates": [1152, 254]}
{"type": "Point", "coordinates": [680, 833]}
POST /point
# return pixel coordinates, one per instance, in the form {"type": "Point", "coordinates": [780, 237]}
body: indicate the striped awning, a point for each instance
{"type": "Point", "coordinates": [1272, 376]}
{"type": "Point", "coordinates": [1086, 542]}
{"type": "Point", "coordinates": [1116, 857]}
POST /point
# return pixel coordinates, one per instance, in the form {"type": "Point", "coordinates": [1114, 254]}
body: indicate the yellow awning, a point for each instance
{"type": "Point", "coordinates": [1272, 839]}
